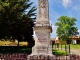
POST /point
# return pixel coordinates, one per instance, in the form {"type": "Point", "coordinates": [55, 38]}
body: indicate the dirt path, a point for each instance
{"type": "Point", "coordinates": [75, 51]}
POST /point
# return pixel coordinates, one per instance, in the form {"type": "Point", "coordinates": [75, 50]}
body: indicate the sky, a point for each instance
{"type": "Point", "coordinates": [57, 8]}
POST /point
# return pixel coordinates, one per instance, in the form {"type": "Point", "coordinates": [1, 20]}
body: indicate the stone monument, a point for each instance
{"type": "Point", "coordinates": [42, 30]}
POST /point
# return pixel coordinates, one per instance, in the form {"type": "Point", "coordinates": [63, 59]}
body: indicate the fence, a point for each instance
{"type": "Point", "coordinates": [74, 57]}
{"type": "Point", "coordinates": [14, 56]}
{"type": "Point", "coordinates": [22, 56]}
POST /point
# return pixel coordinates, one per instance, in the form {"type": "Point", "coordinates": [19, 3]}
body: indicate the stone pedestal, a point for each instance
{"type": "Point", "coordinates": [42, 43]}
{"type": "Point", "coordinates": [41, 50]}
{"type": "Point", "coordinates": [41, 57]}
{"type": "Point", "coordinates": [42, 40]}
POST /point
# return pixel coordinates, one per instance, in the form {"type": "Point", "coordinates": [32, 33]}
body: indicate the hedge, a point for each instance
{"type": "Point", "coordinates": [28, 50]}
{"type": "Point", "coordinates": [59, 52]}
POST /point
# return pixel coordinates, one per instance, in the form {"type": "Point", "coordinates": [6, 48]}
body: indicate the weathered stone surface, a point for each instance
{"type": "Point", "coordinates": [41, 57]}
{"type": "Point", "coordinates": [42, 48]}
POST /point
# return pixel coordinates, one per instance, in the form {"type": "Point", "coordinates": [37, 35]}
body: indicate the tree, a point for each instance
{"type": "Point", "coordinates": [16, 19]}
{"type": "Point", "coordinates": [66, 27]}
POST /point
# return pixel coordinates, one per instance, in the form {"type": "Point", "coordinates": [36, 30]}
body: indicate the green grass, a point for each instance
{"type": "Point", "coordinates": [7, 43]}
{"type": "Point", "coordinates": [76, 46]}
{"type": "Point", "coordinates": [2, 43]}
{"type": "Point", "coordinates": [59, 52]}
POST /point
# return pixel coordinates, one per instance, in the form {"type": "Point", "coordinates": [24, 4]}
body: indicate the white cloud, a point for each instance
{"type": "Point", "coordinates": [66, 3]}
{"type": "Point", "coordinates": [53, 34]}
{"type": "Point", "coordinates": [76, 8]}
{"type": "Point", "coordinates": [79, 31]}
{"type": "Point", "coordinates": [53, 27]}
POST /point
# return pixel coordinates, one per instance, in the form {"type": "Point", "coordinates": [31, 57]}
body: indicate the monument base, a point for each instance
{"type": "Point", "coordinates": [41, 53]}
{"type": "Point", "coordinates": [41, 57]}
{"type": "Point", "coordinates": [41, 49]}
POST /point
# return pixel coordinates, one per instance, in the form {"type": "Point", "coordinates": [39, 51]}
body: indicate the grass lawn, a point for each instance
{"type": "Point", "coordinates": [76, 46]}
{"type": "Point", "coordinates": [3, 43]}
{"type": "Point", "coordinates": [59, 52]}
{"type": "Point", "coordinates": [6, 43]}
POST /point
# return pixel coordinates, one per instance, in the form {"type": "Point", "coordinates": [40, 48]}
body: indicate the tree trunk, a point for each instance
{"type": "Point", "coordinates": [61, 46]}
{"type": "Point", "coordinates": [69, 48]}
{"type": "Point", "coordinates": [18, 43]}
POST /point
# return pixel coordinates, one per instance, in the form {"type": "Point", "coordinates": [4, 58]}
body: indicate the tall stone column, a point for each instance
{"type": "Point", "coordinates": [42, 30]}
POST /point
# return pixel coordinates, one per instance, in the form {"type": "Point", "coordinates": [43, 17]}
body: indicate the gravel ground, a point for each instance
{"type": "Point", "coordinates": [75, 51]}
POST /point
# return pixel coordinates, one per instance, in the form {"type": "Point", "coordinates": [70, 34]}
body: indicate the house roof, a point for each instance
{"type": "Point", "coordinates": [52, 39]}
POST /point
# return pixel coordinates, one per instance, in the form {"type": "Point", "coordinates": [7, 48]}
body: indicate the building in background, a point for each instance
{"type": "Point", "coordinates": [74, 40]}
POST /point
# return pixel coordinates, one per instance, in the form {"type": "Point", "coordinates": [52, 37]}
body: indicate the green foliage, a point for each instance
{"type": "Point", "coordinates": [15, 49]}
{"type": "Point", "coordinates": [16, 19]}
{"type": "Point", "coordinates": [75, 47]}
{"type": "Point", "coordinates": [28, 50]}
{"type": "Point", "coordinates": [59, 52]}
{"type": "Point", "coordinates": [66, 27]}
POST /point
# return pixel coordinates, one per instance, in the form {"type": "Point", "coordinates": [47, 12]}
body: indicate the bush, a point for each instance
{"type": "Point", "coordinates": [28, 50]}
{"type": "Point", "coordinates": [15, 49]}
{"type": "Point", "coordinates": [59, 52]}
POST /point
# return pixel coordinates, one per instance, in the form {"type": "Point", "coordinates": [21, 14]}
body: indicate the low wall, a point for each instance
{"type": "Point", "coordinates": [14, 56]}
{"type": "Point", "coordinates": [23, 56]}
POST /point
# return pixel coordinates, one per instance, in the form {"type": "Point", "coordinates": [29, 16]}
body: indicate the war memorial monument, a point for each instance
{"type": "Point", "coordinates": [42, 30]}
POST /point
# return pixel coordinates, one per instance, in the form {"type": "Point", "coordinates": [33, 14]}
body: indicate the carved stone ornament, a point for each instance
{"type": "Point", "coordinates": [42, 3]}
{"type": "Point", "coordinates": [43, 6]}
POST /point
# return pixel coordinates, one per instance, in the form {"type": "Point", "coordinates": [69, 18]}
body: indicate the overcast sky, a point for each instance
{"type": "Point", "coordinates": [57, 8]}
